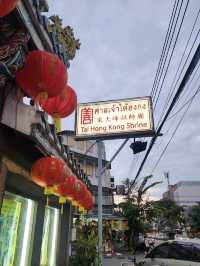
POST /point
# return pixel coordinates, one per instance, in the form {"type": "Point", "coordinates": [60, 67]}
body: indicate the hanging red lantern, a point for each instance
{"type": "Point", "coordinates": [80, 191]}
{"type": "Point", "coordinates": [66, 188]}
{"type": "Point", "coordinates": [44, 75]}
{"type": "Point", "coordinates": [87, 202]}
{"type": "Point", "coordinates": [48, 172]}
{"type": "Point", "coordinates": [60, 106]}
{"type": "Point", "coordinates": [7, 6]}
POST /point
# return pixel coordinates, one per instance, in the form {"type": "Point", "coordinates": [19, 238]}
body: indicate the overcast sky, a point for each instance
{"type": "Point", "coordinates": [121, 43]}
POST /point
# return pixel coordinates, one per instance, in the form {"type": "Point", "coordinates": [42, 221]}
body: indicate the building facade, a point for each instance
{"type": "Point", "coordinates": [184, 193]}
{"type": "Point", "coordinates": [86, 156]}
{"type": "Point", "coordinates": [32, 233]}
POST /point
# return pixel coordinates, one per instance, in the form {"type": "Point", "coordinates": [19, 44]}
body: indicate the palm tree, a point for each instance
{"type": "Point", "coordinates": [133, 209]}
{"type": "Point", "coordinates": [143, 188]}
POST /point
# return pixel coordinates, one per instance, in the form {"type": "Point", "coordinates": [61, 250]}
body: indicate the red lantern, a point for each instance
{"type": "Point", "coordinates": [66, 188]}
{"type": "Point", "coordinates": [62, 105]}
{"type": "Point", "coordinates": [88, 201]}
{"type": "Point", "coordinates": [43, 75]}
{"type": "Point", "coordinates": [49, 171]}
{"type": "Point", "coordinates": [6, 6]}
{"type": "Point", "coordinates": [80, 191]}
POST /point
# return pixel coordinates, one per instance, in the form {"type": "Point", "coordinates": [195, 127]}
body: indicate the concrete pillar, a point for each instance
{"type": "Point", "coordinates": [38, 235]}
{"type": "Point", "coordinates": [65, 235]}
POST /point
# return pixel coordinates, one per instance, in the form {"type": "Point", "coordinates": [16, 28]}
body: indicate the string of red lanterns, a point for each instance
{"type": "Point", "coordinates": [56, 178]}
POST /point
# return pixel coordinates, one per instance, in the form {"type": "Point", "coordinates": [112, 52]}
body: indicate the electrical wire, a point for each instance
{"type": "Point", "coordinates": [158, 147]}
{"type": "Point", "coordinates": [182, 107]}
{"type": "Point", "coordinates": [177, 127]}
{"type": "Point", "coordinates": [184, 104]}
{"type": "Point", "coordinates": [177, 36]}
{"type": "Point", "coordinates": [172, 84]}
{"type": "Point", "coordinates": [168, 49]}
{"type": "Point", "coordinates": [188, 73]}
{"type": "Point", "coordinates": [164, 46]}
{"type": "Point", "coordinates": [186, 46]}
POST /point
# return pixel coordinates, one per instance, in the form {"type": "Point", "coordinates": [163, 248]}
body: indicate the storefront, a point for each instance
{"type": "Point", "coordinates": [32, 232]}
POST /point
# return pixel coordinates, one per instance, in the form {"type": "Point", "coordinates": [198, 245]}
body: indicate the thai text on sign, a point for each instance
{"type": "Point", "coordinates": [114, 117]}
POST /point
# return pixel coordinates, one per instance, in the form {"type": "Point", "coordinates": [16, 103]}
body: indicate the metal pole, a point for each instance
{"type": "Point", "coordinates": [100, 227]}
{"type": "Point", "coordinates": [114, 156]}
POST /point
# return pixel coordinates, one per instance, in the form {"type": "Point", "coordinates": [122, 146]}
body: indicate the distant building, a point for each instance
{"type": "Point", "coordinates": [184, 193]}
{"type": "Point", "coordinates": [86, 155]}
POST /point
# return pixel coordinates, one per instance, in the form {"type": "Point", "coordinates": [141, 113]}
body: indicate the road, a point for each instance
{"type": "Point", "coordinates": [118, 262]}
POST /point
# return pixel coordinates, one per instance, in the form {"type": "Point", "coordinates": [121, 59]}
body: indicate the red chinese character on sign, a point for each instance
{"type": "Point", "coordinates": [86, 116]}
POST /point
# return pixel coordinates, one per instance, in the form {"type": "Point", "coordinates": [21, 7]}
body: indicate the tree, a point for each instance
{"type": "Point", "coordinates": [134, 209]}
{"type": "Point", "coordinates": [194, 218]}
{"type": "Point", "coordinates": [143, 188]}
{"type": "Point", "coordinates": [167, 214]}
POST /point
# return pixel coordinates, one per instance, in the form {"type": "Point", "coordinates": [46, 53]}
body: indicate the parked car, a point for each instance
{"type": "Point", "coordinates": [174, 253]}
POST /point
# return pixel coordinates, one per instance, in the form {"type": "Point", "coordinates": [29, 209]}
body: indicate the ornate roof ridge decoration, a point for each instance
{"type": "Point", "coordinates": [65, 36]}
{"type": "Point", "coordinates": [13, 46]}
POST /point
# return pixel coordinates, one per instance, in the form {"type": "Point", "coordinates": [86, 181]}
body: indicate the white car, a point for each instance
{"type": "Point", "coordinates": [174, 253]}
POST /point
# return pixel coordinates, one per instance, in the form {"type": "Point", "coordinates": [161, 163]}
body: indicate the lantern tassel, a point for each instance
{"type": "Point", "coordinates": [61, 209]}
{"type": "Point", "coordinates": [43, 95]}
{"type": "Point", "coordinates": [57, 122]}
{"type": "Point", "coordinates": [62, 201]}
{"type": "Point", "coordinates": [47, 201]}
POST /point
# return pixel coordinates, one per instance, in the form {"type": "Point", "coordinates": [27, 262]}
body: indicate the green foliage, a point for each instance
{"type": "Point", "coordinates": [86, 252]}
{"type": "Point", "coordinates": [194, 218]}
{"type": "Point", "coordinates": [168, 214]}
{"type": "Point", "coordinates": [138, 213]}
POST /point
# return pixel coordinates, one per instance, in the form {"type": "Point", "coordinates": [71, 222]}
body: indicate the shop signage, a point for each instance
{"type": "Point", "coordinates": [114, 119]}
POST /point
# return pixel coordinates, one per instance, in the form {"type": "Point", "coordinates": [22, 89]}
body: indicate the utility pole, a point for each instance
{"type": "Point", "coordinates": [166, 175]}
{"type": "Point", "coordinates": [100, 226]}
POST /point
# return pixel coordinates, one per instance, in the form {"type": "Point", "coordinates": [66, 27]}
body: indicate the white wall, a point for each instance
{"type": "Point", "coordinates": [187, 193]}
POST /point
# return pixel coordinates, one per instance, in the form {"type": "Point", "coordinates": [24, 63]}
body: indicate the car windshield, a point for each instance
{"type": "Point", "coordinates": [177, 251]}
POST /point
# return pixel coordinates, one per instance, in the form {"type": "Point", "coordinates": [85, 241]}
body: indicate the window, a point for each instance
{"type": "Point", "coordinates": [89, 168]}
{"type": "Point", "coordinates": [176, 251]}
{"type": "Point", "coordinates": [160, 252]}
{"type": "Point", "coordinates": [50, 237]}
{"type": "Point", "coordinates": [17, 223]}
{"type": "Point", "coordinates": [179, 251]}
{"type": "Point", "coordinates": [196, 249]}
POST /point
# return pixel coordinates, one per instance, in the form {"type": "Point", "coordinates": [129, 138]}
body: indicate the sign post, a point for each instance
{"type": "Point", "coordinates": [100, 226]}
{"type": "Point", "coordinates": [128, 118]}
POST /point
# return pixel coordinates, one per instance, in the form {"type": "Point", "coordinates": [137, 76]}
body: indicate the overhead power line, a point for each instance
{"type": "Point", "coordinates": [182, 85]}
{"type": "Point", "coordinates": [194, 95]}
{"type": "Point", "coordinates": [164, 46]}
{"type": "Point", "coordinates": [177, 127]}
{"type": "Point", "coordinates": [172, 52]}
{"type": "Point", "coordinates": [173, 86]}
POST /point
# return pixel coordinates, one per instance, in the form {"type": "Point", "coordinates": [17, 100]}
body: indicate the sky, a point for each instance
{"type": "Point", "coordinates": [121, 44]}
